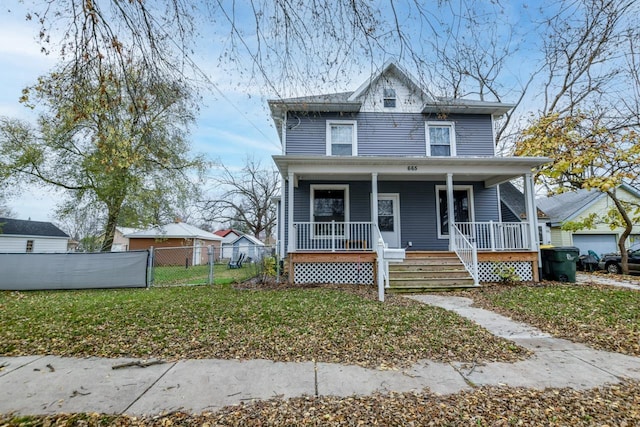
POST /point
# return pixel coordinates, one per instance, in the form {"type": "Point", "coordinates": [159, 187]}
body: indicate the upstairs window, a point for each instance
{"type": "Point", "coordinates": [441, 139]}
{"type": "Point", "coordinates": [341, 138]}
{"type": "Point", "coordinates": [29, 246]}
{"type": "Point", "coordinates": [389, 98]}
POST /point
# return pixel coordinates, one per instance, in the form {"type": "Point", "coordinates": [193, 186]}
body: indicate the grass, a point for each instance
{"type": "Point", "coordinates": [199, 274]}
{"type": "Point", "coordinates": [328, 325]}
{"type": "Point", "coordinates": [604, 317]}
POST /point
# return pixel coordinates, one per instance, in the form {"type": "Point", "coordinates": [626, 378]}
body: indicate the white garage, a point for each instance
{"type": "Point", "coordinates": [599, 243]}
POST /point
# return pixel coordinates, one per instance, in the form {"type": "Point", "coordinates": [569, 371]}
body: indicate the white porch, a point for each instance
{"type": "Point", "coordinates": [466, 238]}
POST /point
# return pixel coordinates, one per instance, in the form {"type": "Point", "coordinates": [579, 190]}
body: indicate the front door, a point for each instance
{"type": "Point", "coordinates": [389, 218]}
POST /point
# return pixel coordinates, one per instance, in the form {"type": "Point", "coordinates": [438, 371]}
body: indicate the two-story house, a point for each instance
{"type": "Point", "coordinates": [382, 168]}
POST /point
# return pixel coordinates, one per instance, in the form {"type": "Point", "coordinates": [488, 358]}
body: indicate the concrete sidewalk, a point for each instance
{"type": "Point", "coordinates": [49, 384]}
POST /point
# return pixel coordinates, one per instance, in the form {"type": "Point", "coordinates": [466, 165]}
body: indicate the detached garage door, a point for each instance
{"type": "Point", "coordinates": [599, 243]}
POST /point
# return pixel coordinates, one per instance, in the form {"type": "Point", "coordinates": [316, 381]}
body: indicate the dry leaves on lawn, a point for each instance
{"type": "Point", "coordinates": [613, 405]}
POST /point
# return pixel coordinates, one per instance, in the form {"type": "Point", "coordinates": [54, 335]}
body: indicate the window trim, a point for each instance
{"type": "Point", "coordinates": [313, 188]}
{"type": "Point", "coordinates": [354, 135]}
{"type": "Point", "coordinates": [452, 135]}
{"type": "Point", "coordinates": [469, 189]}
{"type": "Point", "coordinates": [389, 96]}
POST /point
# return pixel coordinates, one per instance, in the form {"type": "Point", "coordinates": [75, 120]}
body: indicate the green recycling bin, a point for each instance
{"type": "Point", "coordinates": [559, 263]}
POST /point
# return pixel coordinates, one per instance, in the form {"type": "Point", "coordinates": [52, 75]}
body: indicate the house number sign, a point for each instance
{"type": "Point", "coordinates": [412, 168]}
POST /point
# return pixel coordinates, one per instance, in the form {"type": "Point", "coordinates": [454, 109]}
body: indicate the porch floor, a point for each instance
{"type": "Point", "coordinates": [428, 271]}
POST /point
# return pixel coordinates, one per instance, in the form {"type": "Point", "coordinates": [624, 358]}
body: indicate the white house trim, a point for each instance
{"type": "Point", "coordinates": [345, 187]}
{"type": "Point", "coordinates": [354, 135]}
{"type": "Point", "coordinates": [450, 188]}
{"type": "Point", "coordinates": [452, 135]}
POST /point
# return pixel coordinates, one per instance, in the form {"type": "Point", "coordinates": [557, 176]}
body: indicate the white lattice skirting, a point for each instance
{"type": "Point", "coordinates": [522, 269]}
{"type": "Point", "coordinates": [353, 273]}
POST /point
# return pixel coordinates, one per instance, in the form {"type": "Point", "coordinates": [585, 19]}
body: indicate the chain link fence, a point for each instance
{"type": "Point", "coordinates": [209, 265]}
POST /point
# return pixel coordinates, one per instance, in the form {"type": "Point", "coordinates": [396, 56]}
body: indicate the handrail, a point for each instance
{"type": "Point", "coordinates": [497, 236]}
{"type": "Point", "coordinates": [467, 252]}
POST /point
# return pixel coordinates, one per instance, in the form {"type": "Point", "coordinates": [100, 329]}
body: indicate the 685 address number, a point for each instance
{"type": "Point", "coordinates": [412, 168]}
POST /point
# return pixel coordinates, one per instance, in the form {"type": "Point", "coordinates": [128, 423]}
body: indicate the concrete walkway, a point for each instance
{"type": "Point", "coordinates": [629, 282]}
{"type": "Point", "coordinates": [50, 384]}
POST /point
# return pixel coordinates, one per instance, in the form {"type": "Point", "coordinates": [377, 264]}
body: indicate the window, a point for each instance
{"type": "Point", "coordinates": [385, 215]}
{"type": "Point", "coordinates": [341, 138]}
{"type": "Point", "coordinates": [389, 99]}
{"type": "Point", "coordinates": [29, 246]}
{"type": "Point", "coordinates": [441, 139]}
{"type": "Point", "coordinates": [462, 207]}
{"type": "Point", "coordinates": [329, 203]}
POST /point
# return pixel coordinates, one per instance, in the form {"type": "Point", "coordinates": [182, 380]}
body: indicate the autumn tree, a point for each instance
{"type": "Point", "coordinates": [588, 153]}
{"type": "Point", "coordinates": [245, 198]}
{"type": "Point", "coordinates": [106, 135]}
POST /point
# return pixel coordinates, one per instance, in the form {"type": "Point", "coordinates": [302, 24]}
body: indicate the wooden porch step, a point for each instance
{"type": "Point", "coordinates": [428, 271]}
{"type": "Point", "coordinates": [425, 289]}
{"type": "Point", "coordinates": [436, 274]}
{"type": "Point", "coordinates": [405, 282]}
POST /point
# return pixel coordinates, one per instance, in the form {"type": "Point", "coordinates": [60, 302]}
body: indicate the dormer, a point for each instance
{"type": "Point", "coordinates": [391, 90]}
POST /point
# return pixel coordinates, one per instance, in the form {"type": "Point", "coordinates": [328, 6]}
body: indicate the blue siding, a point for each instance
{"type": "Point", "coordinates": [418, 214]}
{"type": "Point", "coordinates": [474, 134]}
{"type": "Point", "coordinates": [389, 134]}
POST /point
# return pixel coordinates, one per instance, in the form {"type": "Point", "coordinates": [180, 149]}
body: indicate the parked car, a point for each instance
{"type": "Point", "coordinates": [612, 262]}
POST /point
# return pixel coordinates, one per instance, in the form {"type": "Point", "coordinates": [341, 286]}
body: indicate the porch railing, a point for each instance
{"type": "Point", "coordinates": [335, 236]}
{"type": "Point", "coordinates": [467, 252]}
{"type": "Point", "coordinates": [497, 236]}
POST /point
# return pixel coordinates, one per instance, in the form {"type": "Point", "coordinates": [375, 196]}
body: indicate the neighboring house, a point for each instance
{"type": "Point", "coordinates": [514, 209]}
{"type": "Point", "coordinates": [188, 243]}
{"type": "Point", "coordinates": [388, 161]}
{"type": "Point", "coordinates": [245, 244]}
{"type": "Point", "coordinates": [120, 242]}
{"type": "Point", "coordinates": [21, 236]}
{"type": "Point", "coordinates": [578, 205]}
{"type": "Point", "coordinates": [235, 242]}
{"type": "Point", "coordinates": [228, 235]}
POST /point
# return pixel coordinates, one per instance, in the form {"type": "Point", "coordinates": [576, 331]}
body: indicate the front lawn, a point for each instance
{"type": "Point", "coordinates": [603, 317]}
{"type": "Point", "coordinates": [341, 325]}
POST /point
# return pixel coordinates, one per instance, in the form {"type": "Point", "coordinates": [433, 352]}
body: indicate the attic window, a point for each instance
{"type": "Point", "coordinates": [389, 98]}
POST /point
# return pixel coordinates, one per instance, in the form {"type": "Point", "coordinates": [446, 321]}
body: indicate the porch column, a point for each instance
{"type": "Point", "coordinates": [292, 241]}
{"type": "Point", "coordinates": [281, 222]}
{"type": "Point", "coordinates": [374, 197]}
{"type": "Point", "coordinates": [451, 215]}
{"type": "Point", "coordinates": [530, 201]}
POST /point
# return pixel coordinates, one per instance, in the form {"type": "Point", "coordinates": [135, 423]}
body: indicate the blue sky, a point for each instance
{"type": "Point", "coordinates": [234, 120]}
{"type": "Point", "coordinates": [229, 127]}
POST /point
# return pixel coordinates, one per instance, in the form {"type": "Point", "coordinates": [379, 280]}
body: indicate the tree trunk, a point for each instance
{"type": "Point", "coordinates": [110, 230]}
{"type": "Point", "coordinates": [624, 256]}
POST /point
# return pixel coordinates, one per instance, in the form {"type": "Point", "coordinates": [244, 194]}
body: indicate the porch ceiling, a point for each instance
{"type": "Point", "coordinates": [490, 170]}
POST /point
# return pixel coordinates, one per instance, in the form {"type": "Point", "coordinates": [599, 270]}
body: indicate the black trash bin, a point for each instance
{"type": "Point", "coordinates": [559, 263]}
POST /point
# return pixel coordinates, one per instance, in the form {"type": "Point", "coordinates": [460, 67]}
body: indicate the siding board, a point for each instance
{"type": "Point", "coordinates": [389, 134]}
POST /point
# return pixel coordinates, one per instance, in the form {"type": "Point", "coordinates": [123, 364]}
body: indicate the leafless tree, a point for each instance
{"type": "Point", "coordinates": [245, 197]}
